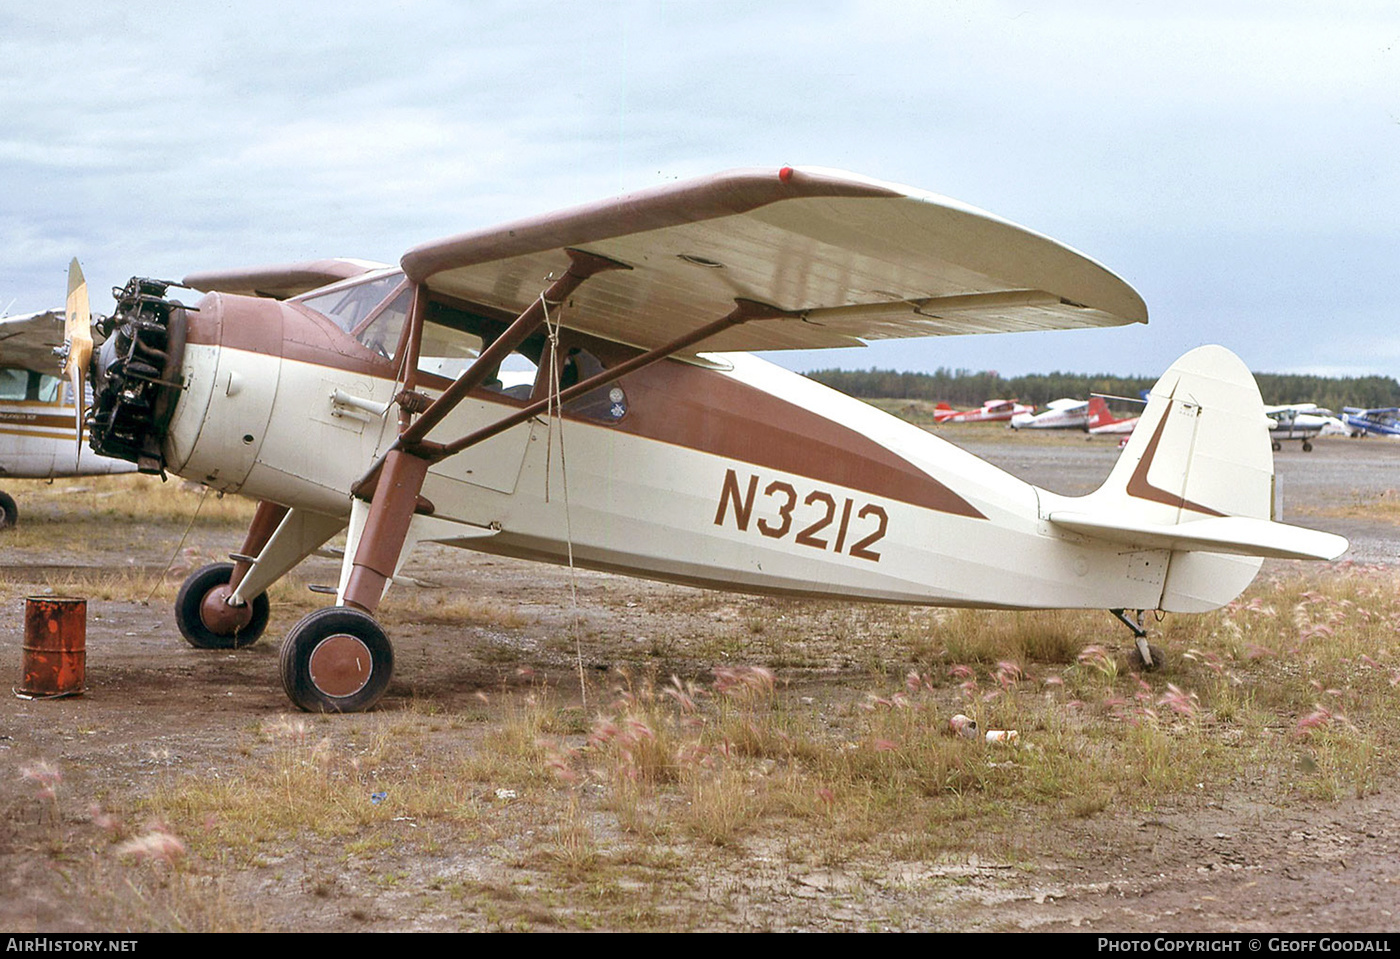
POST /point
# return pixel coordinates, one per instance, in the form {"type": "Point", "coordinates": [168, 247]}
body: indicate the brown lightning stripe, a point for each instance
{"type": "Point", "coordinates": [1139, 487]}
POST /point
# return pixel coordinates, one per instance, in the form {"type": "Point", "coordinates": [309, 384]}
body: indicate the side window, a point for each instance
{"type": "Point", "coordinates": [14, 384]}
{"type": "Point", "coordinates": [28, 386]}
{"type": "Point", "coordinates": [452, 341]}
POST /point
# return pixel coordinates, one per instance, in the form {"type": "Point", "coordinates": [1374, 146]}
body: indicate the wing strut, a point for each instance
{"type": "Point", "coordinates": [744, 310]}
{"type": "Point", "coordinates": [583, 266]}
{"type": "Point", "coordinates": [394, 485]}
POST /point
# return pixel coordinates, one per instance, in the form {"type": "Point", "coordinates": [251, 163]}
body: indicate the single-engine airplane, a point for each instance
{"type": "Point", "coordinates": [1301, 421]}
{"type": "Point", "coordinates": [1103, 422]}
{"type": "Point", "coordinates": [1062, 414]}
{"type": "Point", "coordinates": [373, 401]}
{"type": "Point", "coordinates": [1381, 421]}
{"type": "Point", "coordinates": [991, 411]}
{"type": "Point", "coordinates": [40, 423]}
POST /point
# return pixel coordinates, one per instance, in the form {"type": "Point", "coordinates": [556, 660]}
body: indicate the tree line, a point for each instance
{"type": "Point", "coordinates": [966, 388]}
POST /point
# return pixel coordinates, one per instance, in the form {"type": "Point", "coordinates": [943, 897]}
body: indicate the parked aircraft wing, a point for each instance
{"type": "Point", "coordinates": [853, 259]}
{"type": "Point", "coordinates": [28, 341]}
{"type": "Point", "coordinates": [279, 281]}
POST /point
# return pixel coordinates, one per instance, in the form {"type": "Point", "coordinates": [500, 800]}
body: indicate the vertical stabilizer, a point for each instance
{"type": "Point", "coordinates": [1197, 476]}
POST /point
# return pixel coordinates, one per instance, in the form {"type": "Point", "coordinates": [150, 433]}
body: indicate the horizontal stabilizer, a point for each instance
{"type": "Point", "coordinates": [1224, 534]}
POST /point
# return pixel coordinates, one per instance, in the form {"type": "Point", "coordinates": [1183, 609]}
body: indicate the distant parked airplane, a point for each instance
{"type": "Point", "coordinates": [1301, 421]}
{"type": "Point", "coordinates": [1383, 421]}
{"type": "Point", "coordinates": [989, 412]}
{"type": "Point", "coordinates": [1101, 421]}
{"type": "Point", "coordinates": [1063, 414]}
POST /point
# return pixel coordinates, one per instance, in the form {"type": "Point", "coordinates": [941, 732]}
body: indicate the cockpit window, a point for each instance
{"type": "Point", "coordinates": [349, 306]}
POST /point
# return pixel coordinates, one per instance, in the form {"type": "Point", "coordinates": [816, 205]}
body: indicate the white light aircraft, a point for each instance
{"type": "Point", "coordinates": [378, 402]}
{"type": "Point", "coordinates": [40, 424]}
{"type": "Point", "coordinates": [1062, 414]}
{"type": "Point", "coordinates": [1301, 421]}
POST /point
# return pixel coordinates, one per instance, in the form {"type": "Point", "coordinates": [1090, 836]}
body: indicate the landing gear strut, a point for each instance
{"type": "Point", "coordinates": [1148, 656]}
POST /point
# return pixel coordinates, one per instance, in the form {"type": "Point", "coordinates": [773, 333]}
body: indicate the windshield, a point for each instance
{"type": "Point", "coordinates": [361, 311]}
{"type": "Point", "coordinates": [348, 306]}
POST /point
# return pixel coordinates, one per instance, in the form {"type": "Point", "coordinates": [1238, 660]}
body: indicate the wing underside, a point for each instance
{"type": "Point", "coordinates": [847, 258]}
{"type": "Point", "coordinates": [28, 341]}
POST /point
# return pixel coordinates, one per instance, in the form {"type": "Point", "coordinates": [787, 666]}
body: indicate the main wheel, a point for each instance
{"type": "Point", "coordinates": [1307, 447]}
{"type": "Point", "coordinates": [336, 660]}
{"type": "Point", "coordinates": [207, 621]}
{"type": "Point", "coordinates": [9, 512]}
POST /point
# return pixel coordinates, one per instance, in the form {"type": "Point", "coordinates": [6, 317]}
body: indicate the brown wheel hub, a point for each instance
{"type": "Point", "coordinates": [221, 618]}
{"type": "Point", "coordinates": [341, 665]}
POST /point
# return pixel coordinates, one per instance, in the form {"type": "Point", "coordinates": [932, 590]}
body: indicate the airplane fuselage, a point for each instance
{"type": "Point", "coordinates": [736, 475]}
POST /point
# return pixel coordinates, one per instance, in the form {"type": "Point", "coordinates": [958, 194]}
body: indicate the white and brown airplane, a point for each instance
{"type": "Point", "coordinates": [40, 419]}
{"type": "Point", "coordinates": [398, 404]}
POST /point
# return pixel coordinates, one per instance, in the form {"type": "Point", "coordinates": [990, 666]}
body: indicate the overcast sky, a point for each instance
{"type": "Point", "coordinates": [1237, 163]}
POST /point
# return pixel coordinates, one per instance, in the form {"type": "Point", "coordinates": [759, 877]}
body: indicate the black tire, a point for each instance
{"type": "Point", "coordinates": [1277, 446]}
{"type": "Point", "coordinates": [1307, 447]}
{"type": "Point", "coordinates": [336, 660]}
{"type": "Point", "coordinates": [9, 512]}
{"type": "Point", "coordinates": [190, 618]}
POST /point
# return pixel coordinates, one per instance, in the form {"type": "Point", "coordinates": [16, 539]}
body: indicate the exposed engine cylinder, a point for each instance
{"type": "Point", "coordinates": [138, 374]}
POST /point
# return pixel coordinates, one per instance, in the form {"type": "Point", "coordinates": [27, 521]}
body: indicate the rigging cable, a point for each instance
{"type": "Point", "coordinates": [555, 415]}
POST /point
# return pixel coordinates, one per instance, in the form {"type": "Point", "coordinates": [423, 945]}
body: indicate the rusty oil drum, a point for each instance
{"type": "Point", "coordinates": [55, 647]}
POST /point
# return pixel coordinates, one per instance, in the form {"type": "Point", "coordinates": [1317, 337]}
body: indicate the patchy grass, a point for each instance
{"type": "Point", "coordinates": [1385, 506]}
{"type": "Point", "coordinates": [1293, 686]}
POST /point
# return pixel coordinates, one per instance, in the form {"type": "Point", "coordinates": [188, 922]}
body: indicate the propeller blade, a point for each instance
{"type": "Point", "coordinates": [77, 341]}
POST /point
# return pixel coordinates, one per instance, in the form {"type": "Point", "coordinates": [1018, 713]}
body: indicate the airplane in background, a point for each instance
{"type": "Point", "coordinates": [373, 405]}
{"type": "Point", "coordinates": [989, 412]}
{"type": "Point", "coordinates": [1380, 421]}
{"type": "Point", "coordinates": [1103, 422]}
{"type": "Point", "coordinates": [1062, 414]}
{"type": "Point", "coordinates": [40, 424]}
{"type": "Point", "coordinates": [1300, 421]}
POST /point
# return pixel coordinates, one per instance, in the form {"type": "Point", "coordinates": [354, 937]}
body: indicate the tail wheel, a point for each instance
{"type": "Point", "coordinates": [207, 621]}
{"type": "Point", "coordinates": [9, 512]}
{"type": "Point", "coordinates": [336, 660]}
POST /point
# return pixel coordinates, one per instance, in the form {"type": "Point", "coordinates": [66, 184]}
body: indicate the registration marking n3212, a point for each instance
{"type": "Point", "coordinates": [810, 523]}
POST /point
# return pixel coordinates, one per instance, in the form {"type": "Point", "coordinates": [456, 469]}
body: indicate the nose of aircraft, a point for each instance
{"type": "Point", "coordinates": [138, 374]}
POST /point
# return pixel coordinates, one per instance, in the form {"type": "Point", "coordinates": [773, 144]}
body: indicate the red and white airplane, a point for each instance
{"type": "Point", "coordinates": [1101, 421]}
{"type": "Point", "coordinates": [991, 411]}
{"type": "Point", "coordinates": [372, 402]}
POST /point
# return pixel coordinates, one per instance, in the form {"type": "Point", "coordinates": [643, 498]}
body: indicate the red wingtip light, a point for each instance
{"type": "Point", "coordinates": [785, 174]}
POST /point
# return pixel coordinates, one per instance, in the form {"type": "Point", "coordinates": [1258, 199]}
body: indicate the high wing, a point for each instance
{"type": "Point", "coordinates": [848, 259]}
{"type": "Point", "coordinates": [28, 341]}
{"type": "Point", "coordinates": [280, 281]}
